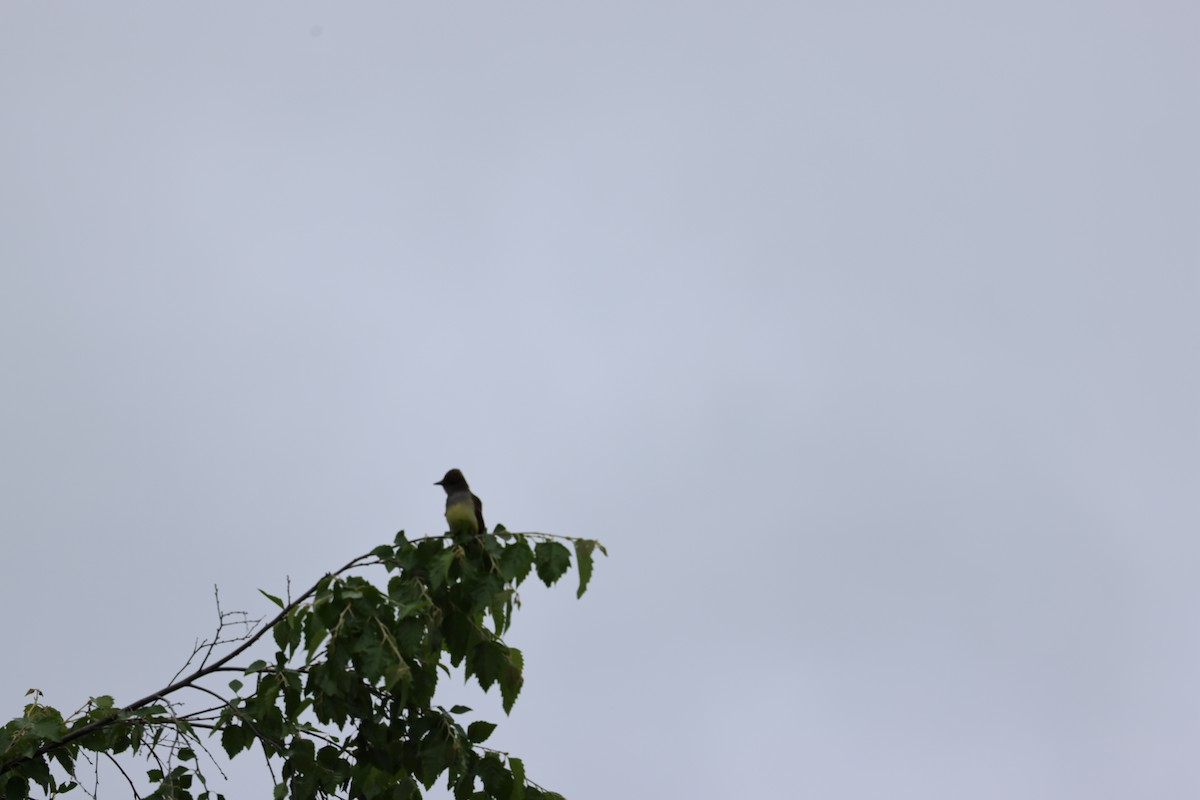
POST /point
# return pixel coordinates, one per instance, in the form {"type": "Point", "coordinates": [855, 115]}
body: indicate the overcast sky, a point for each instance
{"type": "Point", "coordinates": [864, 334]}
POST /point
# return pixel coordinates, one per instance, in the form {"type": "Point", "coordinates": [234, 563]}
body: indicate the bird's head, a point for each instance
{"type": "Point", "coordinates": [453, 482]}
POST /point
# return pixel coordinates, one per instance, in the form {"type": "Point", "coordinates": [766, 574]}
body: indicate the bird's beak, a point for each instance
{"type": "Point", "coordinates": [439, 483]}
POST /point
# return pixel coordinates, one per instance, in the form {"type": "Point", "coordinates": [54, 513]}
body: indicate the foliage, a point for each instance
{"type": "Point", "coordinates": [344, 708]}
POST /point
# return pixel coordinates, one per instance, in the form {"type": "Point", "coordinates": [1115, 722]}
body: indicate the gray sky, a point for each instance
{"type": "Point", "coordinates": [863, 334]}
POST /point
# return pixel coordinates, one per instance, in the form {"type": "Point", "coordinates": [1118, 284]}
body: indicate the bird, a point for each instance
{"type": "Point", "coordinates": [464, 511]}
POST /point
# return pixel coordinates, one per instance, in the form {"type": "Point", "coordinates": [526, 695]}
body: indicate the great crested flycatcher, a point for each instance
{"type": "Point", "coordinates": [464, 511]}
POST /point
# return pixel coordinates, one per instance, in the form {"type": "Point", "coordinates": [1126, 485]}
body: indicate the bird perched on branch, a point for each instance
{"type": "Point", "coordinates": [464, 511]}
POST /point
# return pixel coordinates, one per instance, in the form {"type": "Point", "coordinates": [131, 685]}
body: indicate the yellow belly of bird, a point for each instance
{"type": "Point", "coordinates": [461, 517]}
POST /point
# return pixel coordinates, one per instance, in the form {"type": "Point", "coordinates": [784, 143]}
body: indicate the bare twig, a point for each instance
{"type": "Point", "coordinates": [128, 780]}
{"type": "Point", "coordinates": [208, 753]}
{"type": "Point", "coordinates": [199, 673]}
{"type": "Point", "coordinates": [224, 619]}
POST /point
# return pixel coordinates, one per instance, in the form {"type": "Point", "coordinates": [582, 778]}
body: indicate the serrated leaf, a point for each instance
{"type": "Point", "coordinates": [272, 598]}
{"type": "Point", "coordinates": [552, 559]}
{"type": "Point", "coordinates": [396, 673]}
{"type": "Point", "coordinates": [518, 772]}
{"type": "Point", "coordinates": [511, 678]}
{"type": "Point", "coordinates": [235, 739]}
{"type": "Point", "coordinates": [402, 590]}
{"type": "Point", "coordinates": [487, 661]}
{"type": "Point", "coordinates": [50, 727]}
{"type": "Point", "coordinates": [583, 556]}
{"type": "Point", "coordinates": [39, 770]}
{"type": "Point", "coordinates": [315, 633]}
{"type": "Point", "coordinates": [439, 570]}
{"type": "Point", "coordinates": [492, 774]}
{"type": "Point", "coordinates": [434, 756]}
{"type": "Point", "coordinates": [479, 731]}
{"type": "Point", "coordinates": [64, 758]}
{"type": "Point", "coordinates": [282, 632]}
{"type": "Point", "coordinates": [516, 561]}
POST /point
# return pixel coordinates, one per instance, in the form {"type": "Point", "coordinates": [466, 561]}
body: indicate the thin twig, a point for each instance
{"type": "Point", "coordinates": [214, 761]}
{"type": "Point", "coordinates": [176, 685]}
{"type": "Point", "coordinates": [128, 780]}
{"type": "Point", "coordinates": [220, 624]}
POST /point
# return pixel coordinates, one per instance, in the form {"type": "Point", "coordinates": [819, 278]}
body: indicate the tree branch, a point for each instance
{"type": "Point", "coordinates": [96, 725]}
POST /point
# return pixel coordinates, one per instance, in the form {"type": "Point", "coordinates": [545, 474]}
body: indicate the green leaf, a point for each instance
{"type": "Point", "coordinates": [314, 636]}
{"type": "Point", "coordinates": [501, 610]}
{"type": "Point", "coordinates": [186, 754]}
{"type": "Point", "coordinates": [236, 685]}
{"type": "Point", "coordinates": [15, 787]}
{"type": "Point", "coordinates": [492, 773]}
{"type": "Point", "coordinates": [552, 560]}
{"type": "Point", "coordinates": [39, 770]}
{"type": "Point", "coordinates": [439, 570]}
{"type": "Point", "coordinates": [518, 772]}
{"type": "Point", "coordinates": [487, 661]}
{"type": "Point", "coordinates": [435, 757]}
{"type": "Point", "coordinates": [459, 709]}
{"type": "Point", "coordinates": [272, 598]}
{"type": "Point", "coordinates": [65, 759]}
{"type": "Point", "coordinates": [511, 678]}
{"type": "Point", "coordinates": [49, 727]}
{"type": "Point", "coordinates": [404, 590]}
{"type": "Point", "coordinates": [235, 739]}
{"type": "Point", "coordinates": [282, 632]}
{"type": "Point", "coordinates": [395, 674]}
{"type": "Point", "coordinates": [583, 556]}
{"type": "Point", "coordinates": [280, 791]}
{"type": "Point", "coordinates": [516, 561]}
{"type": "Point", "coordinates": [465, 788]}
{"type": "Point", "coordinates": [479, 731]}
